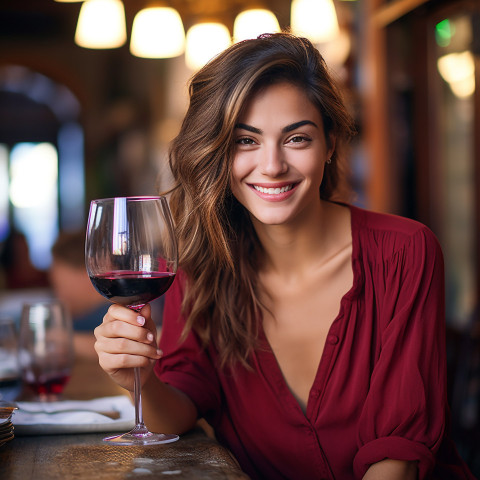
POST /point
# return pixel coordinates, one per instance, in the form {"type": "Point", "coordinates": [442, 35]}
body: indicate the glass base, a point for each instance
{"type": "Point", "coordinates": [141, 437]}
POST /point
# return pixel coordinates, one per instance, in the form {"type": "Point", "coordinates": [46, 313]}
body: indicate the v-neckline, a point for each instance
{"type": "Point", "coordinates": [267, 360]}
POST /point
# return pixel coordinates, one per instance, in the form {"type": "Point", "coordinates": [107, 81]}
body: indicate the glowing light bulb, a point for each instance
{"type": "Point", "coordinates": [458, 70]}
{"type": "Point", "coordinates": [314, 19]}
{"type": "Point", "coordinates": [204, 41]}
{"type": "Point", "coordinates": [157, 32]}
{"type": "Point", "coordinates": [101, 24]}
{"type": "Point", "coordinates": [254, 22]}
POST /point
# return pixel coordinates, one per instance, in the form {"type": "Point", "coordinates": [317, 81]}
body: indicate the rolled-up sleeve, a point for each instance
{"type": "Point", "coordinates": [404, 415]}
{"type": "Point", "coordinates": [185, 364]}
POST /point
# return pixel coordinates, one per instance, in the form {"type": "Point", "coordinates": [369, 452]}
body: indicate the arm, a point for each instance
{"type": "Point", "coordinates": [404, 415]}
{"type": "Point", "coordinates": [126, 340]}
{"type": "Point", "coordinates": [393, 470]}
{"type": "Point", "coordinates": [167, 409]}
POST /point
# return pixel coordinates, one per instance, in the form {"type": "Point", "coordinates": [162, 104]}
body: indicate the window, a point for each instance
{"type": "Point", "coordinates": [42, 181]}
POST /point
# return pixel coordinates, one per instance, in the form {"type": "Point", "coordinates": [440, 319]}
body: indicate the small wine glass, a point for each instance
{"type": "Point", "coordinates": [46, 348]}
{"type": "Point", "coordinates": [131, 259]}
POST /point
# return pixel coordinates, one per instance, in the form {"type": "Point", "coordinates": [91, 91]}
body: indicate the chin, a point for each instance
{"type": "Point", "coordinates": [274, 219]}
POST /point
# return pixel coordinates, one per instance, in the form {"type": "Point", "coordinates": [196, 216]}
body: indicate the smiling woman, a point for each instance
{"type": "Point", "coordinates": [280, 154]}
{"type": "Point", "coordinates": [202, 161]}
{"type": "Point", "coordinates": [308, 332]}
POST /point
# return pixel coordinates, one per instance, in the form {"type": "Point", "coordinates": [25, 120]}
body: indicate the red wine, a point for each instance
{"type": "Point", "coordinates": [132, 289]}
{"type": "Point", "coordinates": [48, 386]}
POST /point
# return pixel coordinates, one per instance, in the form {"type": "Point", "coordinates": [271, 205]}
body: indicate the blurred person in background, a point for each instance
{"type": "Point", "coordinates": [16, 268]}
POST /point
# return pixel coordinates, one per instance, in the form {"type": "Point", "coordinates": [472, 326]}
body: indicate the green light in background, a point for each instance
{"type": "Point", "coordinates": [444, 32]}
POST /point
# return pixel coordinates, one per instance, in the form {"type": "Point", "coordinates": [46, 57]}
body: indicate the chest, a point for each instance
{"type": "Point", "coordinates": [328, 427]}
{"type": "Point", "coordinates": [297, 321]}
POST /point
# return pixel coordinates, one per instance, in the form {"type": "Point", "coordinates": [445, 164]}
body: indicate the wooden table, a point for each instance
{"type": "Point", "coordinates": [85, 456]}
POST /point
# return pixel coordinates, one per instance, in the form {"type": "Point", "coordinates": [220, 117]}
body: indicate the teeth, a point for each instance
{"type": "Point", "coordinates": [273, 191]}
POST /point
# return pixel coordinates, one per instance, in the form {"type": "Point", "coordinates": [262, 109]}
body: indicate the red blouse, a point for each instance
{"type": "Point", "coordinates": [380, 388]}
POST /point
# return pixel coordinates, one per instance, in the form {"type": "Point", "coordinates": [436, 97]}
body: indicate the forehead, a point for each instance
{"type": "Point", "coordinates": [282, 99]}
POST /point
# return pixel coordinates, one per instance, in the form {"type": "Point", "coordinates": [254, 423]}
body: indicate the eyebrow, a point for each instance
{"type": "Point", "coordinates": [286, 129]}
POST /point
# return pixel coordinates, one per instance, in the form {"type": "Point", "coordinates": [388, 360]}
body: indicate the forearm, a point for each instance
{"type": "Point", "coordinates": [166, 409]}
{"type": "Point", "coordinates": [393, 470]}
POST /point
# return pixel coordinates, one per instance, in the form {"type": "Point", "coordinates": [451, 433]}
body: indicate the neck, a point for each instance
{"type": "Point", "coordinates": [306, 242]}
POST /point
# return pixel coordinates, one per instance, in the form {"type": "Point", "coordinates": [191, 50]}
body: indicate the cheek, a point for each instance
{"type": "Point", "coordinates": [318, 169]}
{"type": "Point", "coordinates": [235, 189]}
{"type": "Point", "coordinates": [240, 169]}
{"type": "Point", "coordinates": [310, 165]}
{"type": "Point", "coordinates": [234, 183]}
{"type": "Point", "coordinates": [320, 172]}
{"type": "Point", "coordinates": [237, 185]}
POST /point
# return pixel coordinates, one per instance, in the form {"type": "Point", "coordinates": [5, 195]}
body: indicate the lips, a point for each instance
{"type": "Point", "coordinates": [273, 192]}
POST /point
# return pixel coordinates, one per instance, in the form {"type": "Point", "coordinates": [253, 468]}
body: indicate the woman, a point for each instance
{"type": "Point", "coordinates": [309, 333]}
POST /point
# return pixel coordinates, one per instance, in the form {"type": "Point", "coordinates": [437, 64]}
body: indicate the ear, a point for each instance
{"type": "Point", "coordinates": [331, 143]}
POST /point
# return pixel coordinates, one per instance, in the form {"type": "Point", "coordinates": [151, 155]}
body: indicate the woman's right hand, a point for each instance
{"type": "Point", "coordinates": [127, 339]}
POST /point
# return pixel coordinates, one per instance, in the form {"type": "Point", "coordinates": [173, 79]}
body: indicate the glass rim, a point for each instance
{"type": "Point", "coordinates": [131, 197]}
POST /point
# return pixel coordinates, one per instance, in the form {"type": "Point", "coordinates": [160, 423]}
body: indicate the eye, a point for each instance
{"type": "Point", "coordinates": [298, 139]}
{"type": "Point", "coordinates": [245, 141]}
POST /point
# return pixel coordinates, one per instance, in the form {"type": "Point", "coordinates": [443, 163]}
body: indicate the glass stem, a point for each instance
{"type": "Point", "coordinates": [140, 427]}
{"type": "Point", "coordinates": [138, 399]}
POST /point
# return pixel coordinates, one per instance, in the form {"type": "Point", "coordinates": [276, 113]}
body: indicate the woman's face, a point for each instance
{"type": "Point", "coordinates": [280, 154]}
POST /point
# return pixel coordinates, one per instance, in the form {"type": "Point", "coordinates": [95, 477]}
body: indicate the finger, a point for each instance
{"type": "Point", "coordinates": [112, 363]}
{"type": "Point", "coordinates": [146, 313]}
{"type": "Point", "coordinates": [146, 310]}
{"type": "Point", "coordinates": [118, 315]}
{"type": "Point", "coordinates": [125, 346]}
{"type": "Point", "coordinates": [119, 329]}
{"type": "Point", "coordinates": [119, 345]}
{"type": "Point", "coordinates": [119, 312]}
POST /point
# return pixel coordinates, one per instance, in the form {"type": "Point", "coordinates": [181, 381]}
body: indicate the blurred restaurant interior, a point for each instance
{"type": "Point", "coordinates": [82, 120]}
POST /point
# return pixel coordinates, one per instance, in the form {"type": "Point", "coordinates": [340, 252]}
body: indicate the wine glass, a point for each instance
{"type": "Point", "coordinates": [46, 348]}
{"type": "Point", "coordinates": [131, 259]}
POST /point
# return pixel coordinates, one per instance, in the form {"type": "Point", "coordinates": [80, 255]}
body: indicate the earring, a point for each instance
{"type": "Point", "coordinates": [329, 161]}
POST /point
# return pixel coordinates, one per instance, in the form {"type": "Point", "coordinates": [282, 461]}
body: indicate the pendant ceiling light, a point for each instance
{"type": "Point", "coordinates": [254, 22]}
{"type": "Point", "coordinates": [101, 24]}
{"type": "Point", "coordinates": [157, 32]}
{"type": "Point", "coordinates": [204, 41]}
{"type": "Point", "coordinates": [314, 19]}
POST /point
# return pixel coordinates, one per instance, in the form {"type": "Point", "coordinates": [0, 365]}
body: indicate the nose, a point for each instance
{"type": "Point", "coordinates": [272, 162]}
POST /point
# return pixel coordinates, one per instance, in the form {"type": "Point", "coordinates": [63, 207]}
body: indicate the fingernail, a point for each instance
{"type": "Point", "coordinates": [159, 352]}
{"type": "Point", "coordinates": [141, 320]}
{"type": "Point", "coordinates": [150, 336]}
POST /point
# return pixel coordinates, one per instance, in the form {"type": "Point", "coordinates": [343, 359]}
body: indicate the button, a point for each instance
{"type": "Point", "coordinates": [332, 339]}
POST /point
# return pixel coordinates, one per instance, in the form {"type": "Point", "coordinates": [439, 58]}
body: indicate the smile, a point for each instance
{"type": "Point", "coordinates": [273, 191]}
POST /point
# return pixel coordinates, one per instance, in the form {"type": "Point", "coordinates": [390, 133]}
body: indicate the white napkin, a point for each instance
{"type": "Point", "coordinates": [79, 412]}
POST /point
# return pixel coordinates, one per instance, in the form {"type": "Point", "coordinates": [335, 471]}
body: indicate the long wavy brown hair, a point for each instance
{"type": "Point", "coordinates": [219, 249]}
